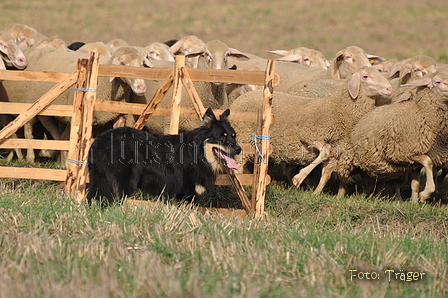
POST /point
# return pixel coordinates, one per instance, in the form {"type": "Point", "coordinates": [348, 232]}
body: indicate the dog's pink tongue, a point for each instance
{"type": "Point", "coordinates": [231, 163]}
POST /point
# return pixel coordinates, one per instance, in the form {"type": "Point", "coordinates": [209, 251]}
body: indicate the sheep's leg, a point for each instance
{"type": "Point", "coordinates": [327, 170]}
{"type": "Point", "coordinates": [28, 134]}
{"type": "Point", "coordinates": [119, 121]}
{"type": "Point", "coordinates": [443, 174]}
{"type": "Point", "coordinates": [342, 189]}
{"type": "Point", "coordinates": [4, 120]}
{"type": "Point", "coordinates": [18, 152]}
{"type": "Point", "coordinates": [53, 129]}
{"type": "Point", "coordinates": [430, 186]}
{"type": "Point", "coordinates": [324, 154]}
{"type": "Point", "coordinates": [415, 185]}
{"type": "Point", "coordinates": [63, 155]}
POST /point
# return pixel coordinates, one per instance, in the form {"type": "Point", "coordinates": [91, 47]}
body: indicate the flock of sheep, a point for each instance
{"type": "Point", "coordinates": [358, 115]}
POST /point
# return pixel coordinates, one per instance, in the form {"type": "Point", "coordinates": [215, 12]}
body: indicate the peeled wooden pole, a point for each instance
{"type": "Point", "coordinates": [177, 95]}
{"type": "Point", "coordinates": [86, 139]}
{"type": "Point", "coordinates": [188, 83]}
{"type": "Point", "coordinates": [81, 126]}
{"type": "Point", "coordinates": [152, 105]}
{"type": "Point", "coordinates": [261, 169]}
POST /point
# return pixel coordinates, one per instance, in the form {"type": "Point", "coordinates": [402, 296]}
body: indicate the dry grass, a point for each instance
{"type": "Point", "coordinates": [52, 247]}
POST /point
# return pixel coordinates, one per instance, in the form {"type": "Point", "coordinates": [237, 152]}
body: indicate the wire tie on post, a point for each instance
{"type": "Point", "coordinates": [85, 89]}
{"type": "Point", "coordinates": [80, 162]}
{"type": "Point", "coordinates": [254, 138]}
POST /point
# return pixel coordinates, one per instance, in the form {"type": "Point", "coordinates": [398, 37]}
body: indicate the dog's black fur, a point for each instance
{"type": "Point", "coordinates": [124, 159]}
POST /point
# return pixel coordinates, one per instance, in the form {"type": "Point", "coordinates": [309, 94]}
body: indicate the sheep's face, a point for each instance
{"type": "Point", "coordinates": [421, 69]}
{"type": "Point", "coordinates": [135, 59]}
{"type": "Point", "coordinates": [11, 53]}
{"type": "Point", "coordinates": [349, 60]}
{"type": "Point", "coordinates": [439, 85]}
{"type": "Point", "coordinates": [370, 82]}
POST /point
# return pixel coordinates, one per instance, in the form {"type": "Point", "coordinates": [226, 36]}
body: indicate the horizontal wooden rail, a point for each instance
{"type": "Point", "coordinates": [152, 74]}
{"type": "Point", "coordinates": [120, 107]}
{"type": "Point", "coordinates": [35, 144]}
{"type": "Point", "coordinates": [33, 76]}
{"type": "Point", "coordinates": [52, 110]}
{"type": "Point", "coordinates": [156, 74]}
{"type": "Point", "coordinates": [137, 109]}
{"type": "Point", "coordinates": [60, 175]}
{"type": "Point", "coordinates": [34, 173]}
{"type": "Point", "coordinates": [13, 143]}
{"type": "Point", "coordinates": [230, 76]}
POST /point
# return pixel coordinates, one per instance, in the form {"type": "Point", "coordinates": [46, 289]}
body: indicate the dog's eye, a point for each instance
{"type": "Point", "coordinates": [233, 135]}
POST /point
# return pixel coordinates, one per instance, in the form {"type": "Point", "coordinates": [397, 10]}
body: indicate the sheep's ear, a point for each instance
{"type": "Point", "coordinates": [395, 72]}
{"type": "Point", "coordinates": [175, 48]}
{"type": "Point", "coordinates": [292, 58]}
{"type": "Point", "coordinates": [420, 82]}
{"type": "Point", "coordinates": [234, 53]}
{"type": "Point", "coordinates": [337, 63]}
{"type": "Point", "coordinates": [208, 119]}
{"type": "Point", "coordinates": [374, 60]}
{"type": "Point", "coordinates": [405, 73]}
{"type": "Point", "coordinates": [407, 95]}
{"type": "Point", "coordinates": [3, 48]}
{"type": "Point", "coordinates": [196, 52]}
{"type": "Point", "coordinates": [147, 63]}
{"type": "Point", "coordinates": [354, 84]}
{"type": "Point", "coordinates": [2, 65]}
{"type": "Point", "coordinates": [225, 114]}
{"type": "Point", "coordinates": [281, 52]}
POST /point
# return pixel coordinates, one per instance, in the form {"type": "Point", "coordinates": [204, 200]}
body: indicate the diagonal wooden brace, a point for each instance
{"type": "Point", "coordinates": [38, 106]}
{"type": "Point", "coordinates": [152, 105]}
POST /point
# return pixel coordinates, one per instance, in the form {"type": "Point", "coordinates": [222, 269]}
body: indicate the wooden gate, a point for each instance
{"type": "Point", "coordinates": [85, 102]}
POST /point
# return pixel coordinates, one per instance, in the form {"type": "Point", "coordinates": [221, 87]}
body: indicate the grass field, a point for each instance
{"type": "Point", "coordinates": [311, 246]}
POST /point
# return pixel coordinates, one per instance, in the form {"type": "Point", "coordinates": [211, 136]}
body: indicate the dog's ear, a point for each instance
{"type": "Point", "coordinates": [224, 115]}
{"type": "Point", "coordinates": [209, 118]}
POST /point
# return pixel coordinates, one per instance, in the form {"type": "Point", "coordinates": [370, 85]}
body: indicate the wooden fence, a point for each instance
{"type": "Point", "coordinates": [85, 102]}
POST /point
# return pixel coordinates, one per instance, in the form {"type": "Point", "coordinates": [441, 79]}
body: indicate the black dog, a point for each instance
{"type": "Point", "coordinates": [124, 159]}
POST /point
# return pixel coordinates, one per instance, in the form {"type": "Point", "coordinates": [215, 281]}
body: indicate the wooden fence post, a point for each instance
{"type": "Point", "coordinates": [177, 95]}
{"type": "Point", "coordinates": [84, 129]}
{"type": "Point", "coordinates": [261, 168]}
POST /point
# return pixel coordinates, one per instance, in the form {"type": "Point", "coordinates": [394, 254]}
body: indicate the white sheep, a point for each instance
{"type": "Point", "coordinates": [413, 68]}
{"type": "Point", "coordinates": [20, 32]}
{"type": "Point", "coordinates": [303, 55]}
{"type": "Point", "coordinates": [11, 54]}
{"type": "Point", "coordinates": [98, 47]}
{"type": "Point", "coordinates": [115, 43]}
{"type": "Point", "coordinates": [52, 42]}
{"type": "Point", "coordinates": [346, 62]}
{"type": "Point", "coordinates": [158, 51]}
{"type": "Point", "coordinates": [32, 41]}
{"type": "Point", "coordinates": [214, 54]}
{"type": "Point", "coordinates": [392, 141]}
{"type": "Point", "coordinates": [53, 60]}
{"type": "Point", "coordinates": [186, 46]}
{"type": "Point", "coordinates": [305, 127]}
